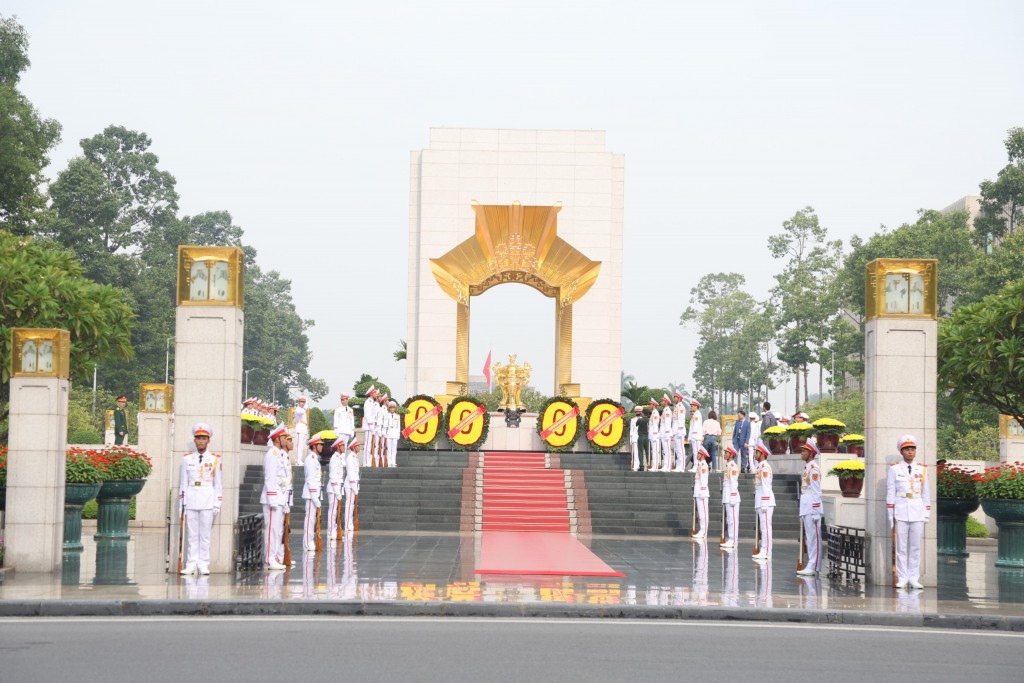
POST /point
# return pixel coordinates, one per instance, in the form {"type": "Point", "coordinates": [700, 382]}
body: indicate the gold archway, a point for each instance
{"type": "Point", "coordinates": [515, 243]}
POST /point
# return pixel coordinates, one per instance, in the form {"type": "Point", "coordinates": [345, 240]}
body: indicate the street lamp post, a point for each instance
{"type": "Point", "coordinates": [245, 391]}
{"type": "Point", "coordinates": [167, 361]}
{"type": "Point", "coordinates": [832, 393]}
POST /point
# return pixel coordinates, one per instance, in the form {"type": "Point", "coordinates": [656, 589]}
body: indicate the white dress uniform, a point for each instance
{"type": "Point", "coordinates": [311, 494]}
{"type": "Point", "coordinates": [696, 434]}
{"type": "Point", "coordinates": [351, 488]}
{"type": "Point", "coordinates": [301, 417]}
{"type": "Point", "coordinates": [200, 494]}
{"type": "Point", "coordinates": [679, 435]}
{"type": "Point", "coordinates": [810, 513]}
{"type": "Point", "coordinates": [392, 430]}
{"type": "Point", "coordinates": [666, 439]}
{"type": "Point", "coordinates": [369, 430]}
{"type": "Point", "coordinates": [277, 484]}
{"type": "Point", "coordinates": [731, 502]}
{"type": "Point", "coordinates": [336, 480]}
{"type": "Point", "coordinates": [908, 504]}
{"type": "Point", "coordinates": [764, 506]}
{"type": "Point", "coordinates": [700, 497]}
{"type": "Point", "coordinates": [634, 447]}
{"type": "Point", "coordinates": [344, 422]}
{"type": "Point", "coordinates": [654, 437]}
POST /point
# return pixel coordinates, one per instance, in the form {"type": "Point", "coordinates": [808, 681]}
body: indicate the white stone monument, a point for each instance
{"type": "Point", "coordinates": [208, 376]}
{"type": "Point", "coordinates": [545, 185]}
{"type": "Point", "coordinates": [900, 394]}
{"type": "Point", "coordinates": [34, 524]}
{"type": "Point", "coordinates": [156, 403]}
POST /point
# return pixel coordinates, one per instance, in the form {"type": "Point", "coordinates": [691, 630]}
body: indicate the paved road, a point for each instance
{"type": "Point", "coordinates": [449, 649]}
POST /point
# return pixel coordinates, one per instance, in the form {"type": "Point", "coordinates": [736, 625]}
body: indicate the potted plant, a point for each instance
{"type": "Point", "coordinates": [328, 437]}
{"type": "Point", "coordinates": [249, 427]}
{"type": "Point", "coordinates": [775, 437]}
{"type": "Point", "coordinates": [797, 434]}
{"type": "Point", "coordinates": [826, 432]}
{"type": "Point", "coordinates": [84, 472]}
{"type": "Point", "coordinates": [957, 497]}
{"type": "Point", "coordinates": [1001, 490]}
{"type": "Point", "coordinates": [854, 443]}
{"type": "Point", "coordinates": [262, 432]}
{"type": "Point", "coordinates": [3, 477]}
{"type": "Point", "coordinates": [851, 477]}
{"type": "Point", "coordinates": [127, 470]}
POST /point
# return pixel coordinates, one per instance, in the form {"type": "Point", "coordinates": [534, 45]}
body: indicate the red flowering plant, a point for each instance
{"type": "Point", "coordinates": [1005, 482]}
{"type": "Point", "coordinates": [85, 466]}
{"type": "Point", "coordinates": [125, 464]}
{"type": "Point", "coordinates": [955, 482]}
{"type": "Point", "coordinates": [3, 465]}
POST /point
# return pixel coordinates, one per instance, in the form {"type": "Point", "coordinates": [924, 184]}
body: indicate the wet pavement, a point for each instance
{"type": "Point", "coordinates": [387, 567]}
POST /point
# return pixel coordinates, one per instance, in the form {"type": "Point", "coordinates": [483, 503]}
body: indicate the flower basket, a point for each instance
{"type": "Point", "coordinates": [127, 470]}
{"type": "Point", "coordinates": [246, 434]}
{"type": "Point", "coordinates": [854, 444]}
{"type": "Point", "coordinates": [797, 433]}
{"type": "Point", "coordinates": [261, 437]}
{"type": "Point", "coordinates": [951, 532]}
{"type": "Point", "coordinates": [851, 477]}
{"type": "Point", "coordinates": [776, 439]}
{"type": "Point", "coordinates": [1001, 491]}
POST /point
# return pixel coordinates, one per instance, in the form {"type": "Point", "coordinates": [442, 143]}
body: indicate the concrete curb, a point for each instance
{"type": "Point", "coordinates": [199, 608]}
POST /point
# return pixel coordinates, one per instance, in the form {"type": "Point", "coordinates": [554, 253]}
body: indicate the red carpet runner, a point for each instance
{"type": "Point", "coordinates": [527, 526]}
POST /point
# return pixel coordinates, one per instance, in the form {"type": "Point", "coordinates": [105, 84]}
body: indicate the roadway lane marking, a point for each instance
{"type": "Point", "coordinates": [598, 622]}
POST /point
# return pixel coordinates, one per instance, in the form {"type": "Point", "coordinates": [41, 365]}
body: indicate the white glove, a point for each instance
{"type": "Point", "coordinates": [891, 521]}
{"type": "Point", "coordinates": [216, 510]}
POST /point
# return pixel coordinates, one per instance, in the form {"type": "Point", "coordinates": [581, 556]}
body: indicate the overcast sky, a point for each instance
{"type": "Point", "coordinates": [298, 118]}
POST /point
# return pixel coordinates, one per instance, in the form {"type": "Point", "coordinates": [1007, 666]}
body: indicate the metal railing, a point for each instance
{"type": "Point", "coordinates": [846, 553]}
{"type": "Point", "coordinates": [249, 542]}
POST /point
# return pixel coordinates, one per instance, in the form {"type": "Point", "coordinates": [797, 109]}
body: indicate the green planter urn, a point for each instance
{"type": "Point", "coordinates": [75, 497]}
{"type": "Point", "coordinates": [112, 503]}
{"type": "Point", "coordinates": [1009, 516]}
{"type": "Point", "coordinates": [952, 525]}
{"type": "Point", "coordinates": [3, 498]}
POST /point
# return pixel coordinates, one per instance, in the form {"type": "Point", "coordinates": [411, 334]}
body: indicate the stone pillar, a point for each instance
{"type": "Point", "coordinates": [209, 331]}
{"type": "Point", "coordinates": [1011, 440]}
{"type": "Point", "coordinates": [37, 442]}
{"type": "Point", "coordinates": [900, 397]}
{"type": "Point", "coordinates": [151, 505]}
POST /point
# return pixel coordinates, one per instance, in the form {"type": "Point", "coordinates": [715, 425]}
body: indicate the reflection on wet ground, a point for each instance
{"type": "Point", "coordinates": [379, 566]}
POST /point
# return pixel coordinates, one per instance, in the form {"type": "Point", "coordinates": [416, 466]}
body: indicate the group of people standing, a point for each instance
{"type": "Point", "coordinates": [382, 425]}
{"type": "Point", "coordinates": [658, 435]}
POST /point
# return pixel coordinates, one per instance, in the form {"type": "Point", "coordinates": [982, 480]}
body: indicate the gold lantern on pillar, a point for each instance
{"type": "Point", "coordinates": [211, 276]}
{"type": "Point", "coordinates": [902, 288]}
{"type": "Point", "coordinates": [156, 398]}
{"type": "Point", "coordinates": [40, 352]}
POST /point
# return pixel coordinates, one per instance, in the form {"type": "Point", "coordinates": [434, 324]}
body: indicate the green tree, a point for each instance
{"type": "Point", "coordinates": [43, 286]}
{"type": "Point", "coordinates": [402, 352]}
{"type": "Point", "coordinates": [632, 394]}
{"type": "Point", "coordinates": [981, 352]}
{"type": "Point", "coordinates": [1003, 198]}
{"type": "Point", "coordinates": [806, 292]}
{"type": "Point", "coordinates": [318, 421]}
{"type": "Point", "coordinates": [25, 138]}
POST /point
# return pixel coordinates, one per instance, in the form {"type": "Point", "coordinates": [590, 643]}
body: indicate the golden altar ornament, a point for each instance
{"type": "Point", "coordinates": [512, 378]}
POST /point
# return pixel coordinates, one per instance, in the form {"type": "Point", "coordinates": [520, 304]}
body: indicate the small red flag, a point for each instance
{"type": "Point", "coordinates": [487, 371]}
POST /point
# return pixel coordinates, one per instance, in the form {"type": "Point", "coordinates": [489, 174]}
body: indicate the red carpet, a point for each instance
{"type": "Point", "coordinates": [526, 521]}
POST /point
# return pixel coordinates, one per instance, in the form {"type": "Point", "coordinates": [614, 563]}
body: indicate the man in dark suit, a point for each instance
{"type": "Point", "coordinates": [643, 440]}
{"type": "Point", "coordinates": [740, 436]}
{"type": "Point", "coordinates": [120, 421]}
{"type": "Point", "coordinates": [768, 418]}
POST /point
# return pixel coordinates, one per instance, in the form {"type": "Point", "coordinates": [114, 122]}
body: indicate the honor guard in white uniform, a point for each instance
{"type": "Point", "coordinates": [696, 433]}
{"type": "Point", "coordinates": [634, 439]}
{"type": "Point", "coordinates": [351, 483]}
{"type": "Point", "coordinates": [700, 494]}
{"type": "Point", "coordinates": [369, 425]}
{"type": "Point", "coordinates": [810, 507]}
{"type": "Point", "coordinates": [311, 494]}
{"type": "Point", "coordinates": [301, 418]}
{"type": "Point", "coordinates": [908, 504]}
{"type": "Point", "coordinates": [764, 500]}
{"type": "Point", "coordinates": [731, 497]}
{"type": "Point", "coordinates": [344, 420]}
{"type": "Point", "coordinates": [392, 430]}
{"type": "Point", "coordinates": [200, 497]}
{"type": "Point", "coordinates": [277, 484]}
{"type": "Point", "coordinates": [666, 434]}
{"type": "Point", "coordinates": [679, 432]}
{"type": "Point", "coordinates": [654, 434]}
{"type": "Point", "coordinates": [336, 488]}
{"type": "Point", "coordinates": [382, 417]}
